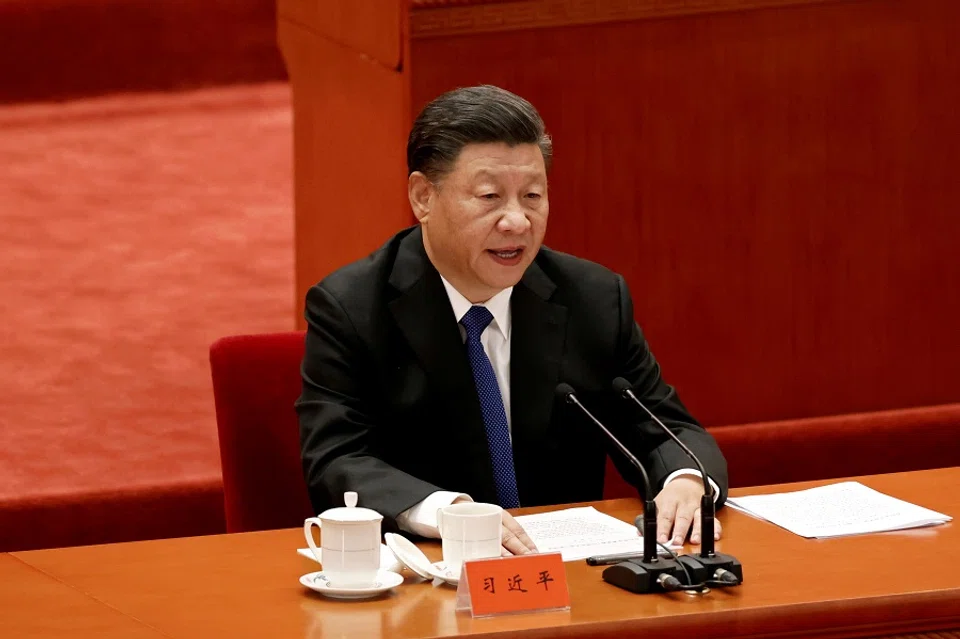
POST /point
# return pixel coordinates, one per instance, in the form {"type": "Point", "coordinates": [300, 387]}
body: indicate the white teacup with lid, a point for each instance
{"type": "Point", "coordinates": [350, 542]}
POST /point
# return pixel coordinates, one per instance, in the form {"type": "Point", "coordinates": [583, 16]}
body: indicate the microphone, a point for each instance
{"type": "Point", "coordinates": [650, 573]}
{"type": "Point", "coordinates": [725, 567]}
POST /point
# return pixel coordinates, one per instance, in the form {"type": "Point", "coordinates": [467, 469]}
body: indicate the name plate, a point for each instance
{"type": "Point", "coordinates": [523, 583]}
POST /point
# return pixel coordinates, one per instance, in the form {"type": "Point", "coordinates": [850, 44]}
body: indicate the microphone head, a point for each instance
{"type": "Point", "coordinates": [564, 391]}
{"type": "Point", "coordinates": [621, 386]}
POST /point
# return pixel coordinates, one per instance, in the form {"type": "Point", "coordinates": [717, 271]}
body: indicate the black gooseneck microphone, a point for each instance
{"type": "Point", "coordinates": [651, 573]}
{"type": "Point", "coordinates": [720, 567]}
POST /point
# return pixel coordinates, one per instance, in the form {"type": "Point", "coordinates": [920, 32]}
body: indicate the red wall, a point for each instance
{"type": "Point", "coordinates": [778, 186]}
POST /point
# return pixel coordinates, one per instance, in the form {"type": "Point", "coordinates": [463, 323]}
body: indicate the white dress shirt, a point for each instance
{"type": "Point", "coordinates": [421, 519]}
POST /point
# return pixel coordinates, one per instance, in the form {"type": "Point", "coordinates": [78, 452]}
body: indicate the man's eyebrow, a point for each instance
{"type": "Point", "coordinates": [490, 173]}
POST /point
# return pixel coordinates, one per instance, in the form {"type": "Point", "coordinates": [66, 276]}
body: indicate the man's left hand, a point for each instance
{"type": "Point", "coordinates": [678, 508]}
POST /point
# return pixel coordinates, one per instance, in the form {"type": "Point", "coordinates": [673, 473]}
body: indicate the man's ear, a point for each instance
{"type": "Point", "coordinates": [421, 192]}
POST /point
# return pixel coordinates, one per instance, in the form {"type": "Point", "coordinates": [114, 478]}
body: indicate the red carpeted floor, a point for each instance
{"type": "Point", "coordinates": [134, 231]}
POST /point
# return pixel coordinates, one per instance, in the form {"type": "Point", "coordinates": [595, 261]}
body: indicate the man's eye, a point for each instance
{"type": "Point", "coordinates": [489, 196]}
{"type": "Point", "coordinates": [534, 196]}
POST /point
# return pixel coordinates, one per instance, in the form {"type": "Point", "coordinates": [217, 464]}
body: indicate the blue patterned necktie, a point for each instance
{"type": "Point", "coordinates": [491, 405]}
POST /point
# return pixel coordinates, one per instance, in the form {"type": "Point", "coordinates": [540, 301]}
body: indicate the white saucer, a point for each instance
{"type": "Point", "coordinates": [317, 581]}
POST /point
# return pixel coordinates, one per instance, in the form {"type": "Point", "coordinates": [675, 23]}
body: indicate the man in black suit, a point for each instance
{"type": "Point", "coordinates": [431, 365]}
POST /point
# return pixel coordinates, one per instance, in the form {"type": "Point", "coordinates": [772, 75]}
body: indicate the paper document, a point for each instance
{"type": "Point", "coordinates": [578, 533]}
{"type": "Point", "coordinates": [846, 508]}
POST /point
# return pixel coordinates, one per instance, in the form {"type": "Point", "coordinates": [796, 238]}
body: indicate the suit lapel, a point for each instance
{"type": "Point", "coordinates": [423, 314]}
{"type": "Point", "coordinates": [536, 349]}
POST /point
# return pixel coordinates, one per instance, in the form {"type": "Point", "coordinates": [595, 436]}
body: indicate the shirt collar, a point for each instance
{"type": "Point", "coordinates": [498, 305]}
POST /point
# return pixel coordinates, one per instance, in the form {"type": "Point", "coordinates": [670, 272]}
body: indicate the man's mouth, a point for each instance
{"type": "Point", "coordinates": [507, 254]}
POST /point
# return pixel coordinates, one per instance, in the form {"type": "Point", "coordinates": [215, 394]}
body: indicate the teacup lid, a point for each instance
{"type": "Point", "coordinates": [408, 554]}
{"type": "Point", "coordinates": [351, 513]}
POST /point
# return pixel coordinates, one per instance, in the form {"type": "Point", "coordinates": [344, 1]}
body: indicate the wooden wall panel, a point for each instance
{"type": "Point", "coordinates": [779, 187]}
{"type": "Point", "coordinates": [351, 117]}
{"type": "Point", "coordinates": [452, 17]}
{"type": "Point", "coordinates": [373, 28]}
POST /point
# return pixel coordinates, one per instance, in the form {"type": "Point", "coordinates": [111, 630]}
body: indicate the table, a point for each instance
{"type": "Point", "coordinates": [35, 604]}
{"type": "Point", "coordinates": [246, 585]}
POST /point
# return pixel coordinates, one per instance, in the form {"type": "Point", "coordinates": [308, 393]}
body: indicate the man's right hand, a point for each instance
{"type": "Point", "coordinates": [514, 539]}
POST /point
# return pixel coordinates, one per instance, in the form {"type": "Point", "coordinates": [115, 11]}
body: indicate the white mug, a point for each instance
{"type": "Point", "coordinates": [469, 531]}
{"type": "Point", "coordinates": [350, 543]}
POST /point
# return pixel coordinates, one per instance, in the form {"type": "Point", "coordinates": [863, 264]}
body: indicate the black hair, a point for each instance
{"type": "Point", "coordinates": [469, 115]}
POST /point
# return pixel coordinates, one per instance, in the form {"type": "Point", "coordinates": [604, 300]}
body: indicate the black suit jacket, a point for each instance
{"type": "Point", "coordinates": [389, 407]}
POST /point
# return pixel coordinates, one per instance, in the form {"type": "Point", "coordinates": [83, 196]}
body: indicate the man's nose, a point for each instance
{"type": "Point", "coordinates": [514, 219]}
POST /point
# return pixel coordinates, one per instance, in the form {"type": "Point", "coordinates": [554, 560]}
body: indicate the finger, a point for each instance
{"type": "Point", "coordinates": [665, 515]}
{"type": "Point", "coordinates": [522, 537]}
{"type": "Point", "coordinates": [510, 541]}
{"type": "Point", "coordinates": [717, 530]}
{"type": "Point", "coordinates": [695, 533]}
{"type": "Point", "coordinates": [525, 538]}
{"type": "Point", "coordinates": [681, 523]}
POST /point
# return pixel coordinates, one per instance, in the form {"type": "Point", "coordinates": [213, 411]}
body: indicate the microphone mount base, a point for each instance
{"type": "Point", "coordinates": [641, 576]}
{"type": "Point", "coordinates": [718, 561]}
{"type": "Point", "coordinates": [698, 572]}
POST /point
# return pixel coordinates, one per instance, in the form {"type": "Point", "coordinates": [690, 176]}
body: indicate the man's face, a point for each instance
{"type": "Point", "coordinates": [484, 223]}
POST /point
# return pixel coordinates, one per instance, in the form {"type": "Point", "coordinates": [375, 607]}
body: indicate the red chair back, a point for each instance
{"type": "Point", "coordinates": [256, 379]}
